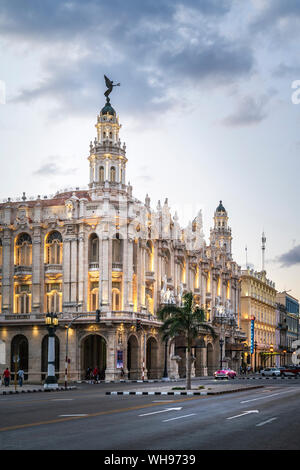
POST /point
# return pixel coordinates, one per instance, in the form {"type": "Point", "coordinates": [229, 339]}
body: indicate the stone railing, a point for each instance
{"type": "Point", "coordinates": [53, 268]}
{"type": "Point", "coordinates": [22, 270]}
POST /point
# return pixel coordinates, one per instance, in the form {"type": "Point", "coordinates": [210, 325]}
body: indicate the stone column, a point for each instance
{"type": "Point", "coordinates": [37, 274]}
{"type": "Point", "coordinates": [7, 271]}
{"type": "Point", "coordinates": [111, 361]}
{"type": "Point", "coordinates": [66, 270]}
{"type": "Point", "coordinates": [128, 273]}
{"type": "Point", "coordinates": [104, 273]}
{"type": "Point", "coordinates": [142, 273]}
{"type": "Point", "coordinates": [82, 272]}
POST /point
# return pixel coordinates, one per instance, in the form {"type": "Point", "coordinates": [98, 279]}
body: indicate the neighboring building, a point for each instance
{"type": "Point", "coordinates": [258, 302]}
{"type": "Point", "coordinates": [291, 305]}
{"type": "Point", "coordinates": [101, 248]}
{"type": "Point", "coordinates": [281, 334]}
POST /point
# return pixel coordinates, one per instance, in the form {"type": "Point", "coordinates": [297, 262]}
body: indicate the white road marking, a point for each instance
{"type": "Point", "coordinates": [66, 416]}
{"type": "Point", "coordinates": [163, 401]}
{"type": "Point", "coordinates": [267, 396]}
{"type": "Point", "coordinates": [162, 411]}
{"type": "Point", "coordinates": [178, 417]}
{"type": "Point", "coordinates": [62, 399]}
{"type": "Point", "coordinates": [243, 414]}
{"type": "Point", "coordinates": [266, 422]}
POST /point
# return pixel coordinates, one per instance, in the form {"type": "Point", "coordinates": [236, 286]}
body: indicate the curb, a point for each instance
{"type": "Point", "coordinates": [34, 390]}
{"type": "Point", "coordinates": [269, 378]}
{"type": "Point", "coordinates": [185, 393]}
{"type": "Point", "coordinates": [126, 381]}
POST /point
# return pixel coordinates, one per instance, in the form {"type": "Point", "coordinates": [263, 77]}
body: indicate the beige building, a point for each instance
{"type": "Point", "coordinates": [100, 248]}
{"type": "Point", "coordinates": [258, 302]}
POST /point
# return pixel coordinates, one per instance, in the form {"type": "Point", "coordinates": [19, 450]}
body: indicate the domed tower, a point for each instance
{"type": "Point", "coordinates": [107, 156]}
{"type": "Point", "coordinates": [220, 235]}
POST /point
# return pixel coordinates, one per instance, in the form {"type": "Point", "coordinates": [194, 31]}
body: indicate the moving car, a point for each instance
{"type": "Point", "coordinates": [271, 371]}
{"type": "Point", "coordinates": [225, 374]}
{"type": "Point", "coordinates": [287, 371]}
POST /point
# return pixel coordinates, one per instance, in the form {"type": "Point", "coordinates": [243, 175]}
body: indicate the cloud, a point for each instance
{"type": "Point", "coordinates": [290, 258]}
{"type": "Point", "coordinates": [249, 111]}
{"type": "Point", "coordinates": [52, 169]}
{"type": "Point", "coordinates": [276, 15]}
{"type": "Point", "coordinates": [157, 52]}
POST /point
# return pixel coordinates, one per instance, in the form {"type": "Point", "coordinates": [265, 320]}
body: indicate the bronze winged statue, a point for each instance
{"type": "Point", "coordinates": [110, 84]}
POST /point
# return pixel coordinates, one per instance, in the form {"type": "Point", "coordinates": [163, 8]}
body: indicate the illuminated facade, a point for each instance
{"type": "Point", "coordinates": [258, 303]}
{"type": "Point", "coordinates": [101, 248]}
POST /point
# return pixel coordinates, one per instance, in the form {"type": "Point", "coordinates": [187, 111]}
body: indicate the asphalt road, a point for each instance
{"type": "Point", "coordinates": [267, 418]}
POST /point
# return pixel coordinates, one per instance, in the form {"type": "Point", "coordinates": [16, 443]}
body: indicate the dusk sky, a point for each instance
{"type": "Point", "coordinates": [208, 103]}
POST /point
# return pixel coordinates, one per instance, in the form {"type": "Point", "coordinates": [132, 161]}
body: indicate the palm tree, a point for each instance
{"type": "Point", "coordinates": [185, 321]}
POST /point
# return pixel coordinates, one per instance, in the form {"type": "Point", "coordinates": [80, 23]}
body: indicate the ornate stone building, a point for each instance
{"type": "Point", "coordinates": [101, 248]}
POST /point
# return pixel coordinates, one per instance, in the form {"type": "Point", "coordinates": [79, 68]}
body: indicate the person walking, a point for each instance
{"type": "Point", "coordinates": [6, 375]}
{"type": "Point", "coordinates": [20, 377]}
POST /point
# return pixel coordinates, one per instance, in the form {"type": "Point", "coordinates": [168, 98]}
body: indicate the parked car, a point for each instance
{"type": "Point", "coordinates": [290, 371]}
{"type": "Point", "coordinates": [271, 371]}
{"type": "Point", "coordinates": [225, 374]}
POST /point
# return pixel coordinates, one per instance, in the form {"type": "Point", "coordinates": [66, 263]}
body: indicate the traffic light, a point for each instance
{"type": "Point", "coordinates": [271, 348]}
{"type": "Point", "coordinates": [97, 316]}
{"type": "Point", "coordinates": [138, 325]}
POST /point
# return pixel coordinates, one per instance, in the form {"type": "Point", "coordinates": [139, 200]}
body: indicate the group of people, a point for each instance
{"type": "Point", "coordinates": [93, 375]}
{"type": "Point", "coordinates": [6, 376]}
{"type": "Point", "coordinates": [245, 370]}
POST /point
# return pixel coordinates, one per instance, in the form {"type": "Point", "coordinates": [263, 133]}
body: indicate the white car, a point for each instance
{"type": "Point", "coordinates": [270, 371]}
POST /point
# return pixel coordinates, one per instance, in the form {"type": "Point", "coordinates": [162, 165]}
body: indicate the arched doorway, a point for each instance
{"type": "Point", "coordinates": [94, 354]}
{"type": "Point", "coordinates": [44, 358]}
{"type": "Point", "coordinates": [210, 360]}
{"type": "Point", "coordinates": [19, 350]}
{"type": "Point", "coordinates": [132, 357]}
{"type": "Point", "coordinates": [151, 358]}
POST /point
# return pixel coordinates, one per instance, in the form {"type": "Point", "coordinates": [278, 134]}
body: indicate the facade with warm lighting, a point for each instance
{"type": "Point", "coordinates": [101, 248]}
{"type": "Point", "coordinates": [258, 303]}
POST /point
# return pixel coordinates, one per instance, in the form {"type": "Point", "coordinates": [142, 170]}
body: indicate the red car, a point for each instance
{"type": "Point", "coordinates": [225, 374]}
{"type": "Point", "coordinates": [290, 370]}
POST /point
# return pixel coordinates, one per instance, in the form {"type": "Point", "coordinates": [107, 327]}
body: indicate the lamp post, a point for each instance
{"type": "Point", "coordinates": [165, 376]}
{"type": "Point", "coordinates": [255, 347]}
{"type": "Point", "coordinates": [221, 352]}
{"type": "Point", "coordinates": [51, 323]}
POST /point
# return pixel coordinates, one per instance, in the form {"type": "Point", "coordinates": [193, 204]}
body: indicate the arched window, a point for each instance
{"type": "Point", "coordinates": [94, 296]}
{"type": "Point", "coordinates": [54, 297]}
{"type": "Point", "coordinates": [117, 249]}
{"type": "Point", "coordinates": [116, 300]}
{"type": "Point", "coordinates": [101, 174]}
{"type": "Point", "coordinates": [94, 249]}
{"type": "Point", "coordinates": [23, 253]}
{"type": "Point", "coordinates": [23, 298]}
{"type": "Point", "coordinates": [149, 257]}
{"type": "Point", "coordinates": [54, 245]}
{"type": "Point", "coordinates": [113, 174]}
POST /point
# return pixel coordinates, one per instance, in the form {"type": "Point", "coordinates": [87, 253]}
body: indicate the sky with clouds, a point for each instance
{"type": "Point", "coordinates": [206, 106]}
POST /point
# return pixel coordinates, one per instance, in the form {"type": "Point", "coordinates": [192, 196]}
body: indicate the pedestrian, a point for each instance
{"type": "Point", "coordinates": [95, 374]}
{"type": "Point", "coordinates": [122, 372]}
{"type": "Point", "coordinates": [6, 375]}
{"type": "Point", "coordinates": [88, 374]}
{"type": "Point", "coordinates": [20, 377]}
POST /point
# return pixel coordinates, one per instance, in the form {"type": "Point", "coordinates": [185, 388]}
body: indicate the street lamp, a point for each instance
{"type": "Point", "coordinates": [221, 352]}
{"type": "Point", "coordinates": [51, 323]}
{"type": "Point", "coordinates": [165, 376]}
{"type": "Point", "coordinates": [255, 347]}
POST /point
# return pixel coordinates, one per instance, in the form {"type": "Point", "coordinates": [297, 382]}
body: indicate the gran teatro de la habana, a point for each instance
{"type": "Point", "coordinates": [102, 249]}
